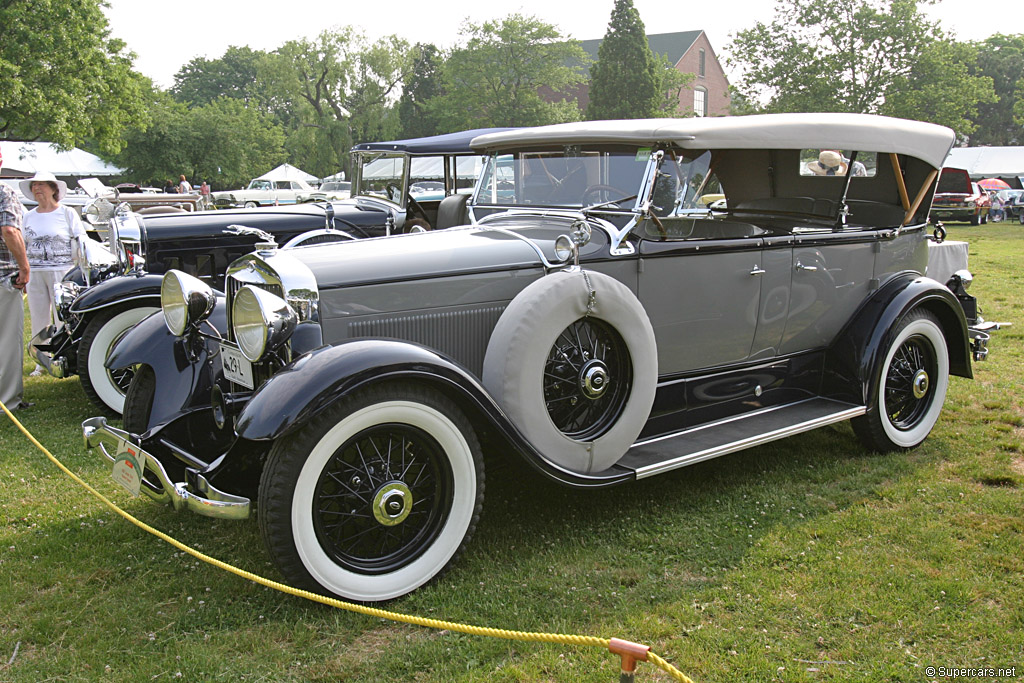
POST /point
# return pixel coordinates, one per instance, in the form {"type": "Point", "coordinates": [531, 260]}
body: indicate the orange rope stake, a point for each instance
{"type": "Point", "coordinates": [629, 653]}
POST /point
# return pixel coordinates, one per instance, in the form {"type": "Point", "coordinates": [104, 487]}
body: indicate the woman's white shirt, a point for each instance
{"type": "Point", "coordinates": [48, 237]}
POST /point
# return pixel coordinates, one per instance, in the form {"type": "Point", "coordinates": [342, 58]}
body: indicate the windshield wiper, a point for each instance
{"type": "Point", "coordinates": [594, 207]}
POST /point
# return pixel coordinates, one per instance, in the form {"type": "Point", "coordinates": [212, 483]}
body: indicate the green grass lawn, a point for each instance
{"type": "Point", "coordinates": [805, 560]}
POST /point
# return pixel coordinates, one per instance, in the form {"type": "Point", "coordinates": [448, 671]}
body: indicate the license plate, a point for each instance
{"type": "Point", "coordinates": [237, 367]}
{"type": "Point", "coordinates": [128, 466]}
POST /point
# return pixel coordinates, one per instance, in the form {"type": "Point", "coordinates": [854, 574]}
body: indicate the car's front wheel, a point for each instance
{"type": "Point", "coordinates": [375, 497]}
{"type": "Point", "coordinates": [250, 205]}
{"type": "Point", "coordinates": [911, 382]}
{"type": "Point", "coordinates": [106, 388]}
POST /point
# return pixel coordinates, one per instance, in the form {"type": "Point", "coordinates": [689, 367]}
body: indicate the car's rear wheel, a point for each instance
{"type": "Point", "coordinates": [375, 497]}
{"type": "Point", "coordinates": [573, 362]}
{"type": "Point", "coordinates": [910, 382]}
{"type": "Point", "coordinates": [106, 388]}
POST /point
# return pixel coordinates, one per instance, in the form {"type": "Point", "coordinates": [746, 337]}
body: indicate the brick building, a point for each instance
{"type": "Point", "coordinates": [691, 53]}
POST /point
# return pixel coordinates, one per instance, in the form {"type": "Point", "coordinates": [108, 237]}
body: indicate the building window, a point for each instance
{"type": "Point", "coordinates": [700, 66]}
{"type": "Point", "coordinates": [700, 102]}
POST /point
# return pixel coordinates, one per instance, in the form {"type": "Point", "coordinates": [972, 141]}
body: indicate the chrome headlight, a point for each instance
{"type": "Point", "coordinates": [185, 301]}
{"type": "Point", "coordinates": [260, 321]}
{"type": "Point", "coordinates": [98, 211]}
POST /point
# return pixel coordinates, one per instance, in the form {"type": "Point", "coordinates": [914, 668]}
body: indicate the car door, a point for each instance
{"type": "Point", "coordinates": [832, 273]}
{"type": "Point", "coordinates": [702, 292]}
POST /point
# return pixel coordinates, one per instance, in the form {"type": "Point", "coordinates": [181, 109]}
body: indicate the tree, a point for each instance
{"type": "Point", "coordinates": [63, 79]}
{"type": "Point", "coordinates": [223, 141]}
{"type": "Point", "coordinates": [235, 75]}
{"type": "Point", "coordinates": [1001, 58]}
{"type": "Point", "coordinates": [424, 83]}
{"type": "Point", "coordinates": [625, 82]}
{"type": "Point", "coordinates": [854, 56]}
{"type": "Point", "coordinates": [341, 89]}
{"type": "Point", "coordinates": [497, 77]}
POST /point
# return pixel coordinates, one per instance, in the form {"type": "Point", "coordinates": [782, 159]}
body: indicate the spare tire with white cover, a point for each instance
{"type": "Point", "coordinates": [573, 363]}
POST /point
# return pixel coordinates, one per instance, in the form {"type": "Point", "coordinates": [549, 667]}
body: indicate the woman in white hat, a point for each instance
{"type": "Point", "coordinates": [50, 230]}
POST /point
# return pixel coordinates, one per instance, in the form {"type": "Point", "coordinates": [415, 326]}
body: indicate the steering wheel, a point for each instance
{"type": "Point", "coordinates": [414, 215]}
{"type": "Point", "coordinates": [394, 192]}
{"type": "Point", "coordinates": [607, 190]}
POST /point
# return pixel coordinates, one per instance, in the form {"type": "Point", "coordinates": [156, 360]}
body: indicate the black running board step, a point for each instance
{"type": "Point", "coordinates": [664, 453]}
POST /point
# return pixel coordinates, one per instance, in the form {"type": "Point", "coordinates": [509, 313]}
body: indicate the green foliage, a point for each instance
{"type": "Point", "coordinates": [236, 74]}
{"type": "Point", "coordinates": [939, 88]}
{"type": "Point", "coordinates": [626, 79]}
{"type": "Point", "coordinates": [855, 56]}
{"type": "Point", "coordinates": [423, 84]}
{"type": "Point", "coordinates": [495, 79]}
{"type": "Point", "coordinates": [341, 89]}
{"type": "Point", "coordinates": [1001, 58]}
{"type": "Point", "coordinates": [224, 142]}
{"type": "Point", "coordinates": [63, 79]}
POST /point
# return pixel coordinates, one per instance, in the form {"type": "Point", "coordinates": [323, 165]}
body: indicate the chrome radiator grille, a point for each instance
{"type": "Point", "coordinates": [459, 334]}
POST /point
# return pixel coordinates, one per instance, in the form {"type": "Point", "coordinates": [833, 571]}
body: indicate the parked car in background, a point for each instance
{"type": "Point", "coordinates": [263, 193]}
{"type": "Point", "coordinates": [329, 191]}
{"type": "Point", "coordinates": [588, 322]}
{"type": "Point", "coordinates": [97, 311]}
{"type": "Point", "coordinates": [959, 199]}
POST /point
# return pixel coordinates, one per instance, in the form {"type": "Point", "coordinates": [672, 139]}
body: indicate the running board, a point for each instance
{"type": "Point", "coordinates": [669, 452]}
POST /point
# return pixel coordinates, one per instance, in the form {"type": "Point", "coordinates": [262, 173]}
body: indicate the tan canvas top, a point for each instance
{"type": "Point", "coordinates": [860, 132]}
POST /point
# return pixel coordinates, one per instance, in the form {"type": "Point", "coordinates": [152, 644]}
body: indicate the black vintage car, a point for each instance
{"type": "Point", "coordinates": [103, 298]}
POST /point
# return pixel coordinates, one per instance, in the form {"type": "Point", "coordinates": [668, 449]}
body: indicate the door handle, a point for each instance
{"type": "Point", "coordinates": [810, 269]}
{"type": "Point", "coordinates": [758, 270]}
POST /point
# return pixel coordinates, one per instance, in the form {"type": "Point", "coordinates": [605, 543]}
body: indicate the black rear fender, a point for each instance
{"type": "Point", "coordinates": [856, 353]}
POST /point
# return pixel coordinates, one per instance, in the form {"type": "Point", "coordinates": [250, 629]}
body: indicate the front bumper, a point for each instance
{"type": "Point", "coordinates": [955, 213]}
{"type": "Point", "coordinates": [196, 495]}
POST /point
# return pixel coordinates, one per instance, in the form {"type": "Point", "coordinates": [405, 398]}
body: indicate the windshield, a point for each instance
{"type": "Point", "coordinates": [381, 175]}
{"type": "Point", "coordinates": [570, 177]}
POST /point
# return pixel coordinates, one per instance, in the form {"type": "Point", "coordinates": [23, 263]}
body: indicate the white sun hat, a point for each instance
{"type": "Point", "coordinates": [43, 177]}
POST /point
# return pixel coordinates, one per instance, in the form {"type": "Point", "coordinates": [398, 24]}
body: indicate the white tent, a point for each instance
{"type": "Point", "coordinates": [988, 162]}
{"type": "Point", "coordinates": [288, 172]}
{"type": "Point", "coordinates": [24, 159]}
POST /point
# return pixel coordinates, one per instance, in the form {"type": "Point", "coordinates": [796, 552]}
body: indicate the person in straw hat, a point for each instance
{"type": "Point", "coordinates": [50, 232]}
{"type": "Point", "coordinates": [829, 162]}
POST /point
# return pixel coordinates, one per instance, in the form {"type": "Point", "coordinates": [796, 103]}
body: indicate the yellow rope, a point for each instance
{"type": "Point", "coordinates": [526, 636]}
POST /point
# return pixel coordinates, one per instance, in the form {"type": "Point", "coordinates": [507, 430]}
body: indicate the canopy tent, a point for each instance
{"type": "Point", "coordinates": [1006, 163]}
{"type": "Point", "coordinates": [288, 172]}
{"type": "Point", "coordinates": [24, 159]}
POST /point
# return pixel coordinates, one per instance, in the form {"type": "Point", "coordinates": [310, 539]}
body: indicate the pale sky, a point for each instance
{"type": "Point", "coordinates": [165, 36]}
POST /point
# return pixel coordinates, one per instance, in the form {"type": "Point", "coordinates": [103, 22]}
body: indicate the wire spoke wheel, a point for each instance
{"type": "Point", "coordinates": [587, 379]}
{"type": "Point", "coordinates": [382, 498]}
{"type": "Point", "coordinates": [908, 384]}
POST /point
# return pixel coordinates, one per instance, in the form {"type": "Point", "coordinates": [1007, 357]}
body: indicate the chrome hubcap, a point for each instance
{"type": "Point", "coordinates": [392, 503]}
{"type": "Point", "coordinates": [920, 384]}
{"type": "Point", "coordinates": [594, 379]}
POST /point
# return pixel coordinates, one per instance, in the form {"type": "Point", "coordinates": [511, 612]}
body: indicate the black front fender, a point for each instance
{"type": "Point", "coordinates": [312, 383]}
{"type": "Point", "coordinates": [856, 355]}
{"type": "Point", "coordinates": [183, 366]}
{"type": "Point", "coordinates": [118, 290]}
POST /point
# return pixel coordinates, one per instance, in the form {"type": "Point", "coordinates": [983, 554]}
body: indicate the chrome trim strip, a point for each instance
{"type": "Point", "coordinates": [117, 302]}
{"type": "Point", "coordinates": [742, 444]}
{"type": "Point", "coordinates": [717, 423]}
{"type": "Point", "coordinates": [208, 501]}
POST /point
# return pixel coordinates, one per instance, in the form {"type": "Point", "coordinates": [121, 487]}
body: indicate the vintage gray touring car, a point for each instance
{"type": "Point", "coordinates": [597, 319]}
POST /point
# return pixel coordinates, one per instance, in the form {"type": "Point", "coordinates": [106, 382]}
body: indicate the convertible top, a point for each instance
{"type": "Point", "coordinates": [861, 132]}
{"type": "Point", "coordinates": [449, 143]}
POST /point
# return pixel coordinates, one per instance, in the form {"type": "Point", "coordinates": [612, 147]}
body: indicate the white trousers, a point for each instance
{"type": "Point", "coordinates": [12, 345]}
{"type": "Point", "coordinates": [42, 308]}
